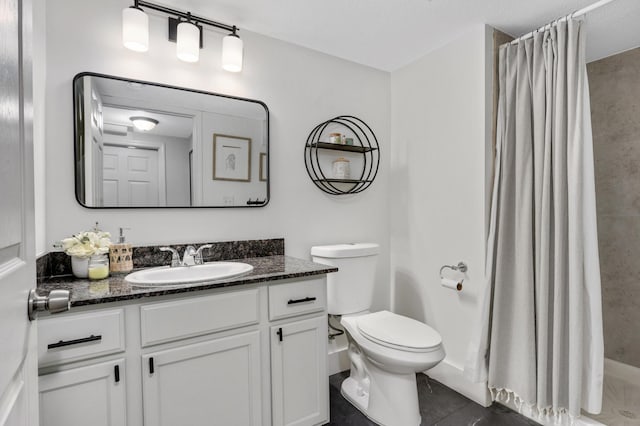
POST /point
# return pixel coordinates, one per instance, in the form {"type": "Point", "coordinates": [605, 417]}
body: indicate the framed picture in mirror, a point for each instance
{"type": "Point", "coordinates": [231, 158]}
{"type": "Point", "coordinates": [263, 167]}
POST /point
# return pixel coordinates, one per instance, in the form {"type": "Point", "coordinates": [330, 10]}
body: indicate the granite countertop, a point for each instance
{"type": "Point", "coordinates": [115, 288]}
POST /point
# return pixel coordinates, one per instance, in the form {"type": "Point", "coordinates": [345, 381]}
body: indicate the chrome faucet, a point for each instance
{"type": "Point", "coordinates": [191, 255]}
{"type": "Point", "coordinates": [198, 257]}
{"type": "Point", "coordinates": [175, 257]}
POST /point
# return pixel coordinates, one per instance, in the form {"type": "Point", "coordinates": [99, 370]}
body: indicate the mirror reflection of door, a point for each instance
{"type": "Point", "coordinates": [94, 132]}
{"type": "Point", "coordinates": [146, 168]}
{"type": "Point", "coordinates": [131, 177]}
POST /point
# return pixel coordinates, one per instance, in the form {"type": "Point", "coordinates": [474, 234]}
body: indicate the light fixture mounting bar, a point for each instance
{"type": "Point", "coordinates": [185, 15]}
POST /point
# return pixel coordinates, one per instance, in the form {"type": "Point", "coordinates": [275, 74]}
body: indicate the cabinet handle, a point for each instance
{"type": "Point", "coordinates": [116, 373]}
{"type": "Point", "coordinates": [306, 299]}
{"type": "Point", "coordinates": [279, 333]}
{"type": "Point", "coordinates": [62, 343]}
{"type": "Point", "coordinates": [151, 369]}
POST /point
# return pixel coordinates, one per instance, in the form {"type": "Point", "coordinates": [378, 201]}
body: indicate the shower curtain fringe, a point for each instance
{"type": "Point", "coordinates": [559, 416]}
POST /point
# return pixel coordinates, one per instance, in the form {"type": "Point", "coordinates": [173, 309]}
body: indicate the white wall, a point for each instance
{"type": "Point", "coordinates": [301, 87]}
{"type": "Point", "coordinates": [440, 120]}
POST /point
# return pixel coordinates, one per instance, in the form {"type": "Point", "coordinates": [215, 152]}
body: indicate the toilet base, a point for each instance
{"type": "Point", "coordinates": [349, 391]}
{"type": "Point", "coordinates": [393, 398]}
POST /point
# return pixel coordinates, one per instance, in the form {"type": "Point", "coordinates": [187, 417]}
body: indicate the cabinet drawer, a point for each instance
{"type": "Point", "coordinates": [74, 337]}
{"type": "Point", "coordinates": [297, 298]}
{"type": "Point", "coordinates": [167, 321]}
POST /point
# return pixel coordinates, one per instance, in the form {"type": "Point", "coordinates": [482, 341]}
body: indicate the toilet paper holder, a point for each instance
{"type": "Point", "coordinates": [461, 266]}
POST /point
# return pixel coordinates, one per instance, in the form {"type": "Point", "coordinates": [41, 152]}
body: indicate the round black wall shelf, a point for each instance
{"type": "Point", "coordinates": [318, 148]}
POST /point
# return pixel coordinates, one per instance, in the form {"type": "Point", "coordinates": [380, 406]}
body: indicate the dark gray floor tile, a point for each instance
{"type": "Point", "coordinates": [439, 401]}
{"type": "Point", "coordinates": [476, 415]}
{"type": "Point", "coordinates": [439, 406]}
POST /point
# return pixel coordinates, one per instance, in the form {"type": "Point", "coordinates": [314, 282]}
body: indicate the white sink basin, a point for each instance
{"type": "Point", "coordinates": [166, 275]}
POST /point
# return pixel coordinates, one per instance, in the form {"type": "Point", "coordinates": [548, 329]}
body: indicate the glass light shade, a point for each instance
{"type": "Point", "coordinates": [232, 48]}
{"type": "Point", "coordinates": [135, 29]}
{"type": "Point", "coordinates": [188, 42]}
{"type": "Point", "coordinates": [143, 123]}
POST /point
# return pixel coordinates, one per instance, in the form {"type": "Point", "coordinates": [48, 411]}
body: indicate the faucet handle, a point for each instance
{"type": "Point", "coordinates": [198, 256]}
{"type": "Point", "coordinates": [175, 257]}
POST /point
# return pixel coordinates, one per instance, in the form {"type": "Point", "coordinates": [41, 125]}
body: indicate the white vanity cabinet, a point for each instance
{"type": "Point", "coordinates": [212, 382]}
{"type": "Point", "coordinates": [211, 357]}
{"type": "Point", "coordinates": [90, 395]}
{"type": "Point", "coordinates": [82, 393]}
{"type": "Point", "coordinates": [299, 380]}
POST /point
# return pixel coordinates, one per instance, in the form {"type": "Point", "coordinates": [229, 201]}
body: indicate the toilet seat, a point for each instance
{"type": "Point", "coordinates": [398, 332]}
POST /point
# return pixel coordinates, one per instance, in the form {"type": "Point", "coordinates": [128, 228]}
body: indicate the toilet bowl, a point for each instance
{"type": "Point", "coordinates": [386, 351]}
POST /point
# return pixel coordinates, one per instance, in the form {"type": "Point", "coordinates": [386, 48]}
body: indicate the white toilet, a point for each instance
{"type": "Point", "coordinates": [385, 349]}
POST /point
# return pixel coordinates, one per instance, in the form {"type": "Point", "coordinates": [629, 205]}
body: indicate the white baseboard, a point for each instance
{"type": "Point", "coordinates": [451, 376]}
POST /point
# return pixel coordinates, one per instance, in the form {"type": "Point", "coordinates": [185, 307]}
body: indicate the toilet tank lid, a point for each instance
{"type": "Point", "coordinates": [346, 250]}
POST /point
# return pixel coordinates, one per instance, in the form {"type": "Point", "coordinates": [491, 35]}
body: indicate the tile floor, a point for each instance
{"type": "Point", "coordinates": [439, 407]}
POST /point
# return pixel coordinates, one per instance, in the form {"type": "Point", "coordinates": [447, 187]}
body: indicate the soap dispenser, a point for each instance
{"type": "Point", "coordinates": [121, 255]}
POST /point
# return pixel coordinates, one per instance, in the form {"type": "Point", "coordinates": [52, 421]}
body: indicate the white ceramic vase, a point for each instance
{"type": "Point", "coordinates": [80, 266]}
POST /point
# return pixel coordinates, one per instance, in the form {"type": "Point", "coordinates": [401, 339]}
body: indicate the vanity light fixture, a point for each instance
{"type": "Point", "coordinates": [188, 41]}
{"type": "Point", "coordinates": [143, 123]}
{"type": "Point", "coordinates": [185, 29]}
{"type": "Point", "coordinates": [232, 51]}
{"type": "Point", "coordinates": [135, 29]}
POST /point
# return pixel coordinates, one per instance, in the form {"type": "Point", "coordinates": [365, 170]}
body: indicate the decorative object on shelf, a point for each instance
{"type": "Point", "coordinates": [81, 247]}
{"type": "Point", "coordinates": [335, 138]}
{"type": "Point", "coordinates": [341, 168]}
{"type": "Point", "coordinates": [364, 149]}
{"type": "Point", "coordinates": [185, 29]}
{"type": "Point", "coordinates": [231, 158]}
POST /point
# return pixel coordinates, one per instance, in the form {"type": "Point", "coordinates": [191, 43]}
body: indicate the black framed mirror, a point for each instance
{"type": "Point", "coordinates": [140, 144]}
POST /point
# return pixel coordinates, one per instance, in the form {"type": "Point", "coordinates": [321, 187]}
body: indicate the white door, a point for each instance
{"type": "Point", "coordinates": [18, 363]}
{"type": "Point", "coordinates": [299, 381]}
{"type": "Point", "coordinates": [217, 382]}
{"type": "Point", "coordinates": [131, 177]}
{"type": "Point", "coordinates": [93, 140]}
{"type": "Point", "coordinates": [92, 395]}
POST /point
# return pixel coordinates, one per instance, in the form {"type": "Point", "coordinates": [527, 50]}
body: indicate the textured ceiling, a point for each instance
{"type": "Point", "coordinates": [388, 34]}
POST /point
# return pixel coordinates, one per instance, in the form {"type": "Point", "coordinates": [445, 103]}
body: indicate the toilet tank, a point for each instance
{"type": "Point", "coordinates": [349, 290]}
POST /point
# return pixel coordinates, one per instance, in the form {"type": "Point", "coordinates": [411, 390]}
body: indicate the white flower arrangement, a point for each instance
{"type": "Point", "coordinates": [87, 244]}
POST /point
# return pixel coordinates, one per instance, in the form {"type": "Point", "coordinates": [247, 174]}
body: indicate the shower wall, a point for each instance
{"type": "Point", "coordinates": [615, 113]}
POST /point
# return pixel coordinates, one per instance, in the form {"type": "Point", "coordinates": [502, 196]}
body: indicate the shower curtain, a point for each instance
{"type": "Point", "coordinates": [540, 340]}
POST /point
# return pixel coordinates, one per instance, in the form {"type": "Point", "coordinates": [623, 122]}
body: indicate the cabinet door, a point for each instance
{"type": "Point", "coordinates": [216, 382]}
{"type": "Point", "coordinates": [299, 381]}
{"type": "Point", "coordinates": [92, 395]}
